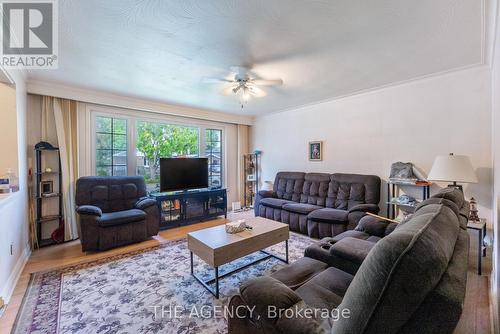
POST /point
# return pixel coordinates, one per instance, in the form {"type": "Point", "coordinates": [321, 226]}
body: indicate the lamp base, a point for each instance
{"type": "Point", "coordinates": [456, 186]}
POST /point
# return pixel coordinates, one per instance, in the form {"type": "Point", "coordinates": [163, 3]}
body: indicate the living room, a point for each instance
{"type": "Point", "coordinates": [233, 167]}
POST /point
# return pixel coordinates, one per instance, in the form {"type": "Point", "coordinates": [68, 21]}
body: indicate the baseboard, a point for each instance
{"type": "Point", "coordinates": [8, 289]}
{"type": "Point", "coordinates": [493, 308]}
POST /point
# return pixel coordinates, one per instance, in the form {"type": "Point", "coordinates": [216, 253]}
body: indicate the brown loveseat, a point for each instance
{"type": "Point", "coordinates": [319, 204]}
{"type": "Point", "coordinates": [114, 211]}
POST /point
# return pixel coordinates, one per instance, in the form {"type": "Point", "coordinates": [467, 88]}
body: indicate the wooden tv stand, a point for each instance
{"type": "Point", "coordinates": [186, 207]}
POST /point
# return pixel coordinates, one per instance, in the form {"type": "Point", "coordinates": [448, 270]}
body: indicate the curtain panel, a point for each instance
{"type": "Point", "coordinates": [63, 114]}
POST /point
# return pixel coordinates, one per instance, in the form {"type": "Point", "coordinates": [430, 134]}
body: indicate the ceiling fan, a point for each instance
{"type": "Point", "coordinates": [244, 83]}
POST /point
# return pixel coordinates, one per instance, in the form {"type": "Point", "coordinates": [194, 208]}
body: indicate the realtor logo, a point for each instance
{"type": "Point", "coordinates": [29, 34]}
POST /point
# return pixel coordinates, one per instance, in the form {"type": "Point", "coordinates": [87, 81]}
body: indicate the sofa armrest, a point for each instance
{"type": "Point", "coordinates": [373, 208]}
{"type": "Point", "coordinates": [89, 210]}
{"type": "Point", "coordinates": [266, 193]}
{"type": "Point", "coordinates": [352, 249]}
{"type": "Point", "coordinates": [375, 226]}
{"type": "Point", "coordinates": [266, 293]}
{"type": "Point", "coordinates": [144, 203]}
{"type": "Point", "coordinates": [260, 195]}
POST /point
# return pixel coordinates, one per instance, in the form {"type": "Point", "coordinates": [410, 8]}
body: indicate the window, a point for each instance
{"type": "Point", "coordinates": [156, 140]}
{"type": "Point", "coordinates": [213, 151]}
{"type": "Point", "coordinates": [126, 143]}
{"type": "Point", "coordinates": [110, 146]}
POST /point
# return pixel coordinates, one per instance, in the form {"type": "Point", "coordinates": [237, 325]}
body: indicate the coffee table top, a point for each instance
{"type": "Point", "coordinates": [215, 246]}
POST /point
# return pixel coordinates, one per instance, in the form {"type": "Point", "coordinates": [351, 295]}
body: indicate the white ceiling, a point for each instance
{"type": "Point", "coordinates": [160, 50]}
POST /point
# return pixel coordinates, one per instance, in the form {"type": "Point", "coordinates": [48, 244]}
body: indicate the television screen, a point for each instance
{"type": "Point", "coordinates": [183, 173]}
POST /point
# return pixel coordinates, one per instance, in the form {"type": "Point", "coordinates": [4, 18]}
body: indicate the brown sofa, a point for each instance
{"type": "Point", "coordinates": [319, 204]}
{"type": "Point", "coordinates": [408, 279]}
{"type": "Point", "coordinates": [114, 211]}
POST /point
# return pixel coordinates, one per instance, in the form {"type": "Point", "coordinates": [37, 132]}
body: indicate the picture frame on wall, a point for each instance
{"type": "Point", "coordinates": [315, 151]}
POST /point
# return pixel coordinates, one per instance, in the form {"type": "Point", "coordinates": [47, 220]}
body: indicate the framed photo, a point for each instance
{"type": "Point", "coordinates": [315, 150]}
{"type": "Point", "coordinates": [46, 187]}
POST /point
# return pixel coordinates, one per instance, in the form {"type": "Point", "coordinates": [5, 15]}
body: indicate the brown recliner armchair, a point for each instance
{"type": "Point", "coordinates": [114, 211]}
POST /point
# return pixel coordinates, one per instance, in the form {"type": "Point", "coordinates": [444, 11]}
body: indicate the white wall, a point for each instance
{"type": "Point", "coordinates": [8, 128]}
{"type": "Point", "coordinates": [365, 133]}
{"type": "Point", "coordinates": [14, 210]}
{"type": "Point", "coordinates": [495, 283]}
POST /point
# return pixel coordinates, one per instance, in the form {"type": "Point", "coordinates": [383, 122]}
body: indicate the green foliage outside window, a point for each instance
{"type": "Point", "coordinates": [157, 140]}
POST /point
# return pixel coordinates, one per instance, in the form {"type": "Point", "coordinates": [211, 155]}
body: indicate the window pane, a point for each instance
{"type": "Point", "coordinates": [213, 140]}
{"type": "Point", "coordinates": [120, 170]}
{"type": "Point", "coordinates": [103, 171]}
{"type": "Point", "coordinates": [103, 141]}
{"type": "Point", "coordinates": [120, 126]}
{"type": "Point", "coordinates": [103, 124]}
{"type": "Point", "coordinates": [120, 158]}
{"type": "Point", "coordinates": [119, 142]}
{"type": "Point", "coordinates": [103, 158]}
{"type": "Point", "coordinates": [111, 146]}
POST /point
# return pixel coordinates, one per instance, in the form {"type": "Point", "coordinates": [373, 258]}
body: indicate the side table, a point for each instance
{"type": "Point", "coordinates": [481, 249]}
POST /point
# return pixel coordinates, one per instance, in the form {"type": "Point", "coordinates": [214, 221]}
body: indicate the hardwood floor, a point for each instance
{"type": "Point", "coordinates": [475, 317]}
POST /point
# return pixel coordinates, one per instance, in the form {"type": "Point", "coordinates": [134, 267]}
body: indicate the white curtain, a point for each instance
{"type": "Point", "coordinates": [243, 147]}
{"type": "Point", "coordinates": [63, 114]}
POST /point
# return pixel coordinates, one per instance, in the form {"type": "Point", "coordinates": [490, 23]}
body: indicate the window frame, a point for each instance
{"type": "Point", "coordinates": [134, 116]}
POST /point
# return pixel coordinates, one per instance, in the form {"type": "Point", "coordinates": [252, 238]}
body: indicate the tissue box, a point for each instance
{"type": "Point", "coordinates": [236, 227]}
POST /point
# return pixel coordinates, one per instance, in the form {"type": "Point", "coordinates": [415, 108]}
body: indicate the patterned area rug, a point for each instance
{"type": "Point", "coordinates": [148, 291]}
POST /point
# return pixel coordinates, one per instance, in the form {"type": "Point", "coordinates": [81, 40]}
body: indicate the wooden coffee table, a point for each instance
{"type": "Point", "coordinates": [216, 247]}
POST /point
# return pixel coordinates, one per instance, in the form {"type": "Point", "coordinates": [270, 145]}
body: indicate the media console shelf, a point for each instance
{"type": "Point", "coordinates": [180, 208]}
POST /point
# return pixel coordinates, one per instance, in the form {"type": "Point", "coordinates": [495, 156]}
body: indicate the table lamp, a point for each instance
{"type": "Point", "coordinates": [452, 168]}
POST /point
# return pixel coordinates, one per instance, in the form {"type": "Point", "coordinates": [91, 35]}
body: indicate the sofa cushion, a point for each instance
{"type": "Point", "coordinates": [274, 202]}
{"type": "Point", "coordinates": [400, 271]}
{"type": "Point", "coordinates": [352, 249]}
{"type": "Point", "coordinates": [348, 190]}
{"type": "Point", "coordinates": [326, 289]}
{"type": "Point", "coordinates": [439, 200]}
{"type": "Point", "coordinates": [453, 194]}
{"type": "Point", "coordinates": [327, 215]}
{"type": "Point", "coordinates": [373, 239]}
{"type": "Point", "coordinates": [300, 208]}
{"type": "Point", "coordinates": [315, 188]}
{"type": "Point", "coordinates": [121, 217]}
{"type": "Point", "coordinates": [256, 294]}
{"type": "Point", "coordinates": [349, 234]}
{"type": "Point", "coordinates": [299, 272]}
{"type": "Point", "coordinates": [288, 185]}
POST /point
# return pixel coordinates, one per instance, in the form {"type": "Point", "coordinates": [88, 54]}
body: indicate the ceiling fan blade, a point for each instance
{"type": "Point", "coordinates": [229, 90]}
{"type": "Point", "coordinates": [214, 80]}
{"type": "Point", "coordinates": [263, 82]}
{"type": "Point", "coordinates": [256, 91]}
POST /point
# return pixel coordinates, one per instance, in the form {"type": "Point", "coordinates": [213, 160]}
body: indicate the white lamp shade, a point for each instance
{"type": "Point", "coordinates": [452, 168]}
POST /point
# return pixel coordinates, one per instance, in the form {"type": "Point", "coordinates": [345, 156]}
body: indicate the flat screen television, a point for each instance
{"type": "Point", "coordinates": [183, 173]}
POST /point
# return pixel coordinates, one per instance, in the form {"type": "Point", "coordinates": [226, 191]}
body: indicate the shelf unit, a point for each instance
{"type": "Point", "coordinates": [251, 168]}
{"type": "Point", "coordinates": [41, 175]}
{"type": "Point", "coordinates": [393, 191]}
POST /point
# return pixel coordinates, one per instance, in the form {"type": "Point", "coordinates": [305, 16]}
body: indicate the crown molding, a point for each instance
{"type": "Point", "coordinates": [121, 101]}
